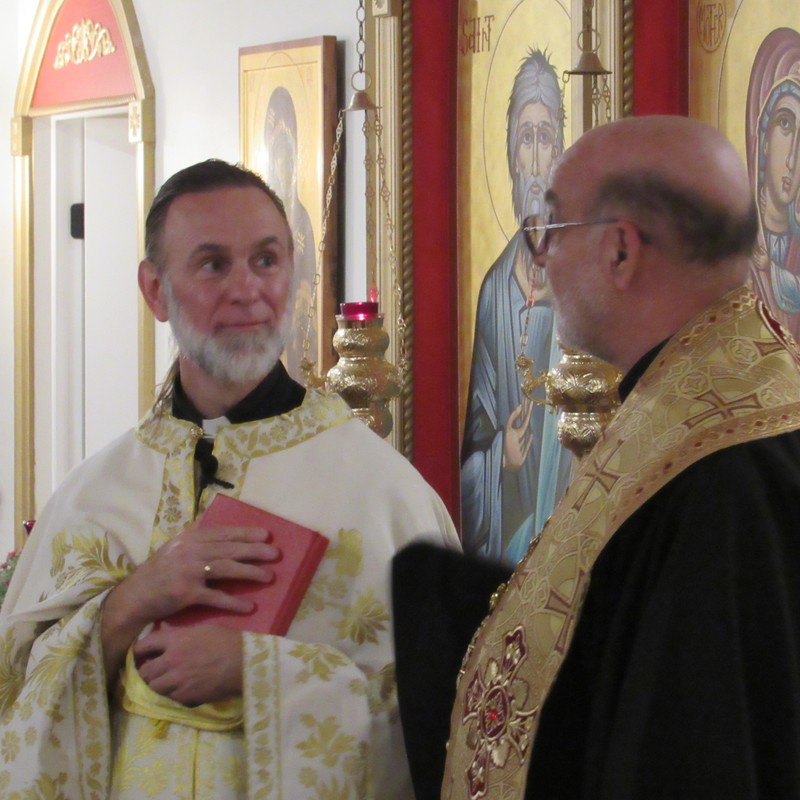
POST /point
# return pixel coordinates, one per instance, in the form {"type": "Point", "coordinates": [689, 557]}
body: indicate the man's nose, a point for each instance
{"type": "Point", "coordinates": [243, 284]}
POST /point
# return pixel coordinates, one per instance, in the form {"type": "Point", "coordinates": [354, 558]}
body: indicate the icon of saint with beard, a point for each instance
{"type": "Point", "coordinates": [513, 470]}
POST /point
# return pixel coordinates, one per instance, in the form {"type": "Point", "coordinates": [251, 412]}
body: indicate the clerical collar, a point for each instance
{"type": "Point", "coordinates": [637, 370]}
{"type": "Point", "coordinates": [276, 394]}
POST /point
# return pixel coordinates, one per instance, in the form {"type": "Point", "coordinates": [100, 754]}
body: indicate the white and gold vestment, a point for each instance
{"type": "Point", "coordinates": [318, 717]}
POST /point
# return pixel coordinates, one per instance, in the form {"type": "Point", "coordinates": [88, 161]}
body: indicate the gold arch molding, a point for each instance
{"type": "Point", "coordinates": [79, 57]}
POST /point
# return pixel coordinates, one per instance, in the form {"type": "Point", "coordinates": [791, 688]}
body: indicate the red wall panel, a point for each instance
{"type": "Point", "coordinates": [660, 57]}
{"type": "Point", "coordinates": [435, 297]}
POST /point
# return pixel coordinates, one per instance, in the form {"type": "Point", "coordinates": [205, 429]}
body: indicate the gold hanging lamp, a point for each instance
{"type": "Point", "coordinates": [583, 389]}
{"type": "Point", "coordinates": [362, 375]}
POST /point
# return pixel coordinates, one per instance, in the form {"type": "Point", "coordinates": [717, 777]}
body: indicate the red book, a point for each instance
{"type": "Point", "coordinates": [276, 603]}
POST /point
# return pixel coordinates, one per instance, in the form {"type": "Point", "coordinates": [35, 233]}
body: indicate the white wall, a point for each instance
{"type": "Point", "coordinates": [16, 23]}
{"type": "Point", "coordinates": [192, 49]}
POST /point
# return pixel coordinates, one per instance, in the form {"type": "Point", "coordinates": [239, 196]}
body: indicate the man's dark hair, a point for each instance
{"type": "Point", "coordinates": [202, 177]}
{"type": "Point", "coordinates": [697, 229]}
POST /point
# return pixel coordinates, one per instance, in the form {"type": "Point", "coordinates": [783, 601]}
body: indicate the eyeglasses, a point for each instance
{"type": "Point", "coordinates": [537, 231]}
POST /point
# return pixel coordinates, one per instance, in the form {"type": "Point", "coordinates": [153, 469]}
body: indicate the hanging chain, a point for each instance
{"type": "Point", "coordinates": [606, 95]}
{"type": "Point", "coordinates": [361, 44]}
{"type": "Point", "coordinates": [369, 196]}
{"type": "Point", "coordinates": [306, 365]}
{"type": "Point", "coordinates": [588, 14]}
{"type": "Point", "coordinates": [385, 194]}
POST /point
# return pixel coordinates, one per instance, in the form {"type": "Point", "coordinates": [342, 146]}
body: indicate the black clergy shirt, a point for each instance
{"type": "Point", "coordinates": [276, 394]}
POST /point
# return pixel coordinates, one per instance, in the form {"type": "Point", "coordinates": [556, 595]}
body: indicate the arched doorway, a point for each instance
{"type": "Point", "coordinates": [84, 127]}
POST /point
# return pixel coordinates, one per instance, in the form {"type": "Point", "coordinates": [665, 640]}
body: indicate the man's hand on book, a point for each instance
{"type": "Point", "coordinates": [192, 665]}
{"type": "Point", "coordinates": [175, 577]}
{"type": "Point", "coordinates": [275, 604]}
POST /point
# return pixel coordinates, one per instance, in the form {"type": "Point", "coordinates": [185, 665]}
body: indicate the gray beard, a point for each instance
{"type": "Point", "coordinates": [234, 359]}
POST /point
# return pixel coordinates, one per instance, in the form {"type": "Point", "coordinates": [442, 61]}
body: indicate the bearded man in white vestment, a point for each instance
{"type": "Point", "coordinates": [95, 702]}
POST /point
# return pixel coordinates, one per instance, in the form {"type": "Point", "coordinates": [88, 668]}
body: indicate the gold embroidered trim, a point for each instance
{"type": "Point", "coordinates": [235, 446]}
{"type": "Point", "coordinates": [318, 412]}
{"type": "Point", "coordinates": [730, 376]}
{"type": "Point", "coordinates": [494, 712]}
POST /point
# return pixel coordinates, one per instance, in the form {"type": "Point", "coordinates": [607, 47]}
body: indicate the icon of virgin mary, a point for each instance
{"type": "Point", "coordinates": [773, 149]}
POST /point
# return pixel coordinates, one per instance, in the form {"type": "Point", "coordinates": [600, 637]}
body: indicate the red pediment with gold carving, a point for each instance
{"type": "Point", "coordinates": [85, 58]}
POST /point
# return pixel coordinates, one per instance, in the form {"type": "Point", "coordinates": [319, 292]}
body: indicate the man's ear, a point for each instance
{"type": "Point", "coordinates": [152, 288]}
{"type": "Point", "coordinates": [622, 250]}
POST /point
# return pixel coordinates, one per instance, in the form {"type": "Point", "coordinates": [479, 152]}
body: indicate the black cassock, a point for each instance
{"type": "Point", "coordinates": [683, 677]}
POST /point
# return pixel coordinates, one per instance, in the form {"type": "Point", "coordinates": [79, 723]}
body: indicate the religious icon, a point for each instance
{"type": "Point", "coordinates": [773, 147]}
{"type": "Point", "coordinates": [280, 171]}
{"type": "Point", "coordinates": [512, 118]}
{"type": "Point", "coordinates": [288, 116]}
{"type": "Point", "coordinates": [737, 44]}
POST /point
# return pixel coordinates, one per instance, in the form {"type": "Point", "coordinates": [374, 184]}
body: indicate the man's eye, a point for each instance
{"type": "Point", "coordinates": [266, 260]}
{"type": "Point", "coordinates": [212, 265]}
{"type": "Point", "coordinates": [545, 138]}
{"type": "Point", "coordinates": [527, 139]}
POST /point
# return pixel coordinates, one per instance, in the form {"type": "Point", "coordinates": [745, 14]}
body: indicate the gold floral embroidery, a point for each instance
{"type": "Point", "coordinates": [95, 567]}
{"type": "Point", "coordinates": [9, 746]}
{"type": "Point", "coordinates": [326, 741]}
{"type": "Point", "coordinates": [94, 710]}
{"type": "Point", "coordinates": [328, 590]}
{"type": "Point", "coordinates": [355, 767]}
{"type": "Point", "coordinates": [366, 617]}
{"type": "Point", "coordinates": [177, 504]}
{"type": "Point", "coordinates": [249, 440]}
{"type": "Point", "coordinates": [322, 661]}
{"type": "Point", "coordinates": [348, 553]}
{"type": "Point", "coordinates": [12, 672]}
{"type": "Point", "coordinates": [381, 690]}
{"type": "Point", "coordinates": [230, 771]}
{"type": "Point", "coordinates": [178, 761]}
{"type": "Point", "coordinates": [46, 787]}
{"type": "Point", "coordinates": [362, 621]}
{"type": "Point", "coordinates": [53, 667]}
{"type": "Point", "coordinates": [261, 727]}
{"type": "Point", "coordinates": [235, 446]}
